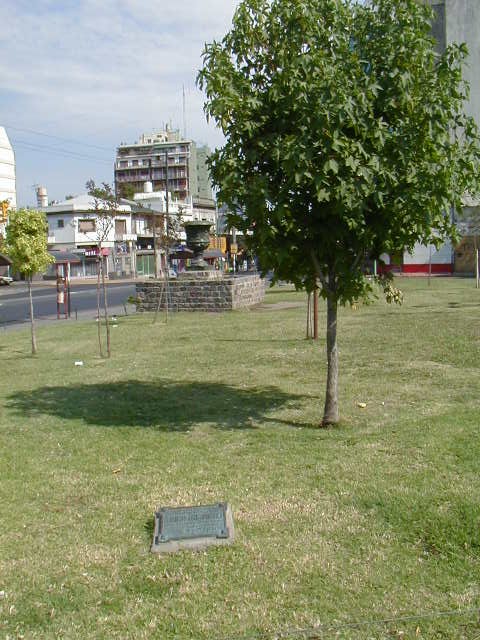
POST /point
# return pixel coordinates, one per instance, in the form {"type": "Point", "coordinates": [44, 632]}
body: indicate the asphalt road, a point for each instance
{"type": "Point", "coordinates": [14, 304]}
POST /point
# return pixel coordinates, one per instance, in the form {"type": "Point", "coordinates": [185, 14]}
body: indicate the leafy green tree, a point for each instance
{"type": "Point", "coordinates": [26, 246]}
{"type": "Point", "coordinates": [126, 191]}
{"type": "Point", "coordinates": [345, 139]}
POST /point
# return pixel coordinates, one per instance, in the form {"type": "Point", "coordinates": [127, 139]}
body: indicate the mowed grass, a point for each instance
{"type": "Point", "coordinates": [376, 519]}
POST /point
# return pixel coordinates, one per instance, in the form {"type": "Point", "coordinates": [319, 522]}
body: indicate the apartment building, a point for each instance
{"type": "Point", "coordinates": [127, 240]}
{"type": "Point", "coordinates": [148, 204]}
{"type": "Point", "coordinates": [455, 21]}
{"type": "Point", "coordinates": [8, 191]}
{"type": "Point", "coordinates": [149, 159]}
{"type": "Point", "coordinates": [73, 226]}
{"type": "Point", "coordinates": [459, 21]}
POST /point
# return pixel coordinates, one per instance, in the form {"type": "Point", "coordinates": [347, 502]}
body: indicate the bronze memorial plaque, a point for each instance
{"type": "Point", "coordinates": [179, 528]}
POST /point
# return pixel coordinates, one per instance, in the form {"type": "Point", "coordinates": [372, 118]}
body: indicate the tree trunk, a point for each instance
{"type": "Point", "coordinates": [330, 415]}
{"type": "Point", "coordinates": [99, 324]}
{"type": "Point", "coordinates": [430, 267]}
{"type": "Point", "coordinates": [477, 265]}
{"type": "Point", "coordinates": [309, 314]}
{"type": "Point", "coordinates": [477, 269]}
{"type": "Point", "coordinates": [159, 302]}
{"type": "Point", "coordinates": [32, 321]}
{"type": "Point", "coordinates": [105, 306]}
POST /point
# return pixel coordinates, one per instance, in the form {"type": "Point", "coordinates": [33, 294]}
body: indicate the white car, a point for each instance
{"type": "Point", "coordinates": [5, 280]}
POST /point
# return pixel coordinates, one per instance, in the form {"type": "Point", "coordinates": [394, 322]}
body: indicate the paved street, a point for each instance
{"type": "Point", "coordinates": [14, 306]}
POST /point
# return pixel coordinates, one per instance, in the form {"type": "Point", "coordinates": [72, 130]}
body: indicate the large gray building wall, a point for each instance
{"type": "Point", "coordinates": [463, 25]}
{"type": "Point", "coordinates": [204, 189]}
{"type": "Point", "coordinates": [459, 21]}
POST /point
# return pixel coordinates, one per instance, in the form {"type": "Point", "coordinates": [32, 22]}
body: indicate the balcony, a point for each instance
{"type": "Point", "coordinates": [145, 232]}
{"type": "Point", "coordinates": [125, 237]}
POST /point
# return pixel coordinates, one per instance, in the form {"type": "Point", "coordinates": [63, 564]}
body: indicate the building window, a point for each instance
{"type": "Point", "coordinates": [60, 223]}
{"type": "Point", "coordinates": [120, 227]}
{"type": "Point", "coordinates": [123, 163]}
{"type": "Point", "coordinates": [86, 226]}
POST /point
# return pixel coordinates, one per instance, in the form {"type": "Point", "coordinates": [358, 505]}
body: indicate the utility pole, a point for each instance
{"type": "Point", "coordinates": [167, 248]}
{"type": "Point", "coordinates": [155, 249]}
{"type": "Point", "coordinates": [184, 114]}
{"type": "Point", "coordinates": [234, 242]}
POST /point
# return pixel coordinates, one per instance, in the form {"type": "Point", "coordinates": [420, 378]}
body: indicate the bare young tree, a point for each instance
{"type": "Point", "coordinates": [106, 208]}
{"type": "Point", "coordinates": [168, 233]}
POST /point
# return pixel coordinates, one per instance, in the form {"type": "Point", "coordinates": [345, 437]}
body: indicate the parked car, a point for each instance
{"type": "Point", "coordinates": [5, 280]}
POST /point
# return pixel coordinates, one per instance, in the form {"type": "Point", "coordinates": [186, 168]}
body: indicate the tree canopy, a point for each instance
{"type": "Point", "coordinates": [345, 132]}
{"type": "Point", "coordinates": [26, 246]}
{"type": "Point", "coordinates": [345, 136]}
{"type": "Point", "coordinates": [26, 242]}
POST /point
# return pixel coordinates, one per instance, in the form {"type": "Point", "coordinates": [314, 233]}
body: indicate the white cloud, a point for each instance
{"type": "Point", "coordinates": [102, 72]}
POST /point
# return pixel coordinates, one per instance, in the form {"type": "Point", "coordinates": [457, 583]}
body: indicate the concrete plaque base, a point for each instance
{"type": "Point", "coordinates": [192, 528]}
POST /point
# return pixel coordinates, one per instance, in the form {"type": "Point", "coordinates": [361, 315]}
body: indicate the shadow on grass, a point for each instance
{"type": "Point", "coordinates": [149, 527]}
{"type": "Point", "coordinates": [462, 305]}
{"type": "Point", "coordinates": [166, 405]}
{"type": "Point", "coordinates": [269, 340]}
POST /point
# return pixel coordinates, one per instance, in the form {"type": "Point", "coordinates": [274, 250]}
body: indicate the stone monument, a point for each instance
{"type": "Point", "coordinates": [201, 287]}
{"type": "Point", "coordinates": [198, 239]}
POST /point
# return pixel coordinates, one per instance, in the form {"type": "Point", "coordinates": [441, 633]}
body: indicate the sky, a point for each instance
{"type": "Point", "coordinates": [78, 77]}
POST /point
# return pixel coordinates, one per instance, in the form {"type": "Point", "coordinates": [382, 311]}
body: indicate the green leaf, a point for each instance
{"type": "Point", "coordinates": [331, 165]}
{"type": "Point", "coordinates": [323, 195]}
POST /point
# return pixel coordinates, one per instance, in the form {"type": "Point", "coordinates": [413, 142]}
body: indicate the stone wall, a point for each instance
{"type": "Point", "coordinates": [202, 291]}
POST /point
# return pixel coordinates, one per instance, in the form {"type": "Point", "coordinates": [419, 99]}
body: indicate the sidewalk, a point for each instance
{"type": "Point", "coordinates": [87, 315]}
{"type": "Point", "coordinates": [80, 281]}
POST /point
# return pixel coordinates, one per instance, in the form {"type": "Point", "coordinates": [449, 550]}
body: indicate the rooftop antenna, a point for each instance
{"type": "Point", "coordinates": [184, 114]}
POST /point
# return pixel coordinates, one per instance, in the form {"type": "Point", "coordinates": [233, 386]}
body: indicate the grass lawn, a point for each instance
{"type": "Point", "coordinates": [373, 520]}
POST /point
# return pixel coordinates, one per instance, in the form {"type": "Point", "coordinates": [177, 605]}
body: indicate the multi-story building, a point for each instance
{"type": "Point", "coordinates": [73, 226]}
{"type": "Point", "coordinates": [459, 21]}
{"type": "Point", "coordinates": [148, 204]}
{"type": "Point", "coordinates": [7, 177]}
{"type": "Point", "coordinates": [204, 186]}
{"type": "Point", "coordinates": [147, 159]}
{"type": "Point", "coordinates": [455, 21]}
{"type": "Point", "coordinates": [127, 239]}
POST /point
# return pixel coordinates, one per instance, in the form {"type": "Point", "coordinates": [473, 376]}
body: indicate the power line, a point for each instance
{"type": "Point", "coordinates": [59, 152]}
{"type": "Point", "coordinates": [48, 135]}
{"type": "Point", "coordinates": [32, 146]}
